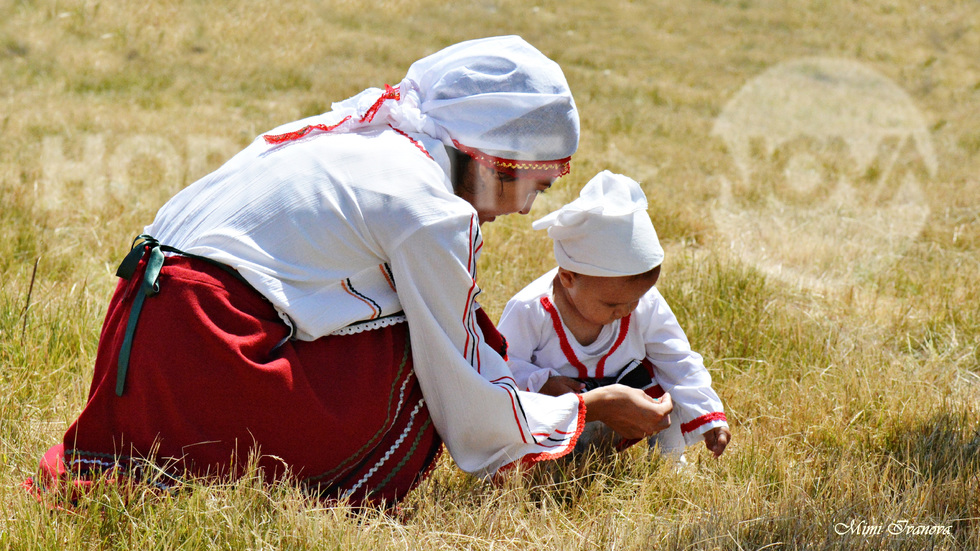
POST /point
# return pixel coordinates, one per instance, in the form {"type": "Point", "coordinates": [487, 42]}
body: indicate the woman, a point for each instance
{"type": "Point", "coordinates": [311, 305]}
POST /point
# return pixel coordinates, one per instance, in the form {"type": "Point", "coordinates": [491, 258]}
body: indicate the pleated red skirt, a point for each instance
{"type": "Point", "coordinates": [208, 390]}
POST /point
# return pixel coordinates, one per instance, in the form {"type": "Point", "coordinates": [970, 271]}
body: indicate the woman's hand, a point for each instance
{"type": "Point", "coordinates": [628, 411]}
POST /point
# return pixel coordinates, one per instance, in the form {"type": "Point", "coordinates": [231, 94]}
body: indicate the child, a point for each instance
{"type": "Point", "coordinates": [598, 319]}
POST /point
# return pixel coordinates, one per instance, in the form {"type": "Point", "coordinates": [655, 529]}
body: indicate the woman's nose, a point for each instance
{"type": "Point", "coordinates": [529, 202]}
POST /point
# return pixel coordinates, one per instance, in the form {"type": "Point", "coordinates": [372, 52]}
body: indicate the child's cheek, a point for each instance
{"type": "Point", "coordinates": [609, 315]}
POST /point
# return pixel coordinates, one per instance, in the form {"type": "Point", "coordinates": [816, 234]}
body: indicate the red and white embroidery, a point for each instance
{"type": "Point", "coordinates": [390, 93]}
{"type": "Point", "coordinates": [471, 347]}
{"type": "Point", "coordinates": [694, 424]}
{"type": "Point", "coordinates": [349, 288]}
{"type": "Point", "coordinates": [566, 345]}
{"type": "Point", "coordinates": [507, 384]}
{"type": "Point", "coordinates": [535, 169]}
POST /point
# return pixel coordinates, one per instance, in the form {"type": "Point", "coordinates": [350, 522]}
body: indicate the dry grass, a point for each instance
{"type": "Point", "coordinates": [852, 394]}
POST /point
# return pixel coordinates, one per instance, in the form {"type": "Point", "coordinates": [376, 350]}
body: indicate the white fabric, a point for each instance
{"type": "Point", "coordinates": [315, 226]}
{"type": "Point", "coordinates": [499, 95]}
{"type": "Point", "coordinates": [535, 352]}
{"type": "Point", "coordinates": [361, 223]}
{"type": "Point", "coordinates": [371, 325]}
{"type": "Point", "coordinates": [606, 231]}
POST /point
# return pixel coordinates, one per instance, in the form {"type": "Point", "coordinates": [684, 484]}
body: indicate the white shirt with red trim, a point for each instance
{"type": "Point", "coordinates": [341, 229]}
{"type": "Point", "coordinates": [541, 346]}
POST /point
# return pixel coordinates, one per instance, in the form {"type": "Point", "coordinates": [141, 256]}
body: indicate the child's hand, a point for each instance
{"type": "Point", "coordinates": [558, 385]}
{"type": "Point", "coordinates": [717, 439]}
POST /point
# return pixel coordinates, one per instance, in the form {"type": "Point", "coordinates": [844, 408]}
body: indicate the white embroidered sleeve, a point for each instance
{"type": "Point", "coordinates": [681, 372]}
{"type": "Point", "coordinates": [484, 420]}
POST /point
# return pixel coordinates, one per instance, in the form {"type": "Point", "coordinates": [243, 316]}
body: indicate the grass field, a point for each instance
{"type": "Point", "coordinates": [813, 170]}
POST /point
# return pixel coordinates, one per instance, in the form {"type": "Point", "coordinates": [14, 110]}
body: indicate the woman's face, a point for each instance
{"type": "Point", "coordinates": [493, 193]}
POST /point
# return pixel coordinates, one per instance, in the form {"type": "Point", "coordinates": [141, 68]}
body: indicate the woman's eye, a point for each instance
{"type": "Point", "coordinates": [504, 177]}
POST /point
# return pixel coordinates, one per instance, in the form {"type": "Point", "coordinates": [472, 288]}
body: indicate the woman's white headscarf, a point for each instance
{"type": "Point", "coordinates": [497, 99]}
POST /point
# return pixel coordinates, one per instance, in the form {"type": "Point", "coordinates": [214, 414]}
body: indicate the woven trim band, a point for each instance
{"type": "Point", "coordinates": [542, 169]}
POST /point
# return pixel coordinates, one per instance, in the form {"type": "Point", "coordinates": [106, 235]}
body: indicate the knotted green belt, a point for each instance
{"type": "Point", "coordinates": [151, 286]}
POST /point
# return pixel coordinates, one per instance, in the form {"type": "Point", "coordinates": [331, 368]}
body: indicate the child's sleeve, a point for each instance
{"type": "Point", "coordinates": [521, 324]}
{"type": "Point", "coordinates": [680, 371]}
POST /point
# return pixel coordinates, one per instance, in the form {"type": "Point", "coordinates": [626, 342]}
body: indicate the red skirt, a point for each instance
{"type": "Point", "coordinates": [209, 390]}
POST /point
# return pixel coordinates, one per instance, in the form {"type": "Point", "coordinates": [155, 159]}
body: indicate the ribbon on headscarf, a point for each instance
{"type": "Point", "coordinates": [391, 92]}
{"type": "Point", "coordinates": [533, 169]}
{"type": "Point", "coordinates": [499, 95]}
{"type": "Point", "coordinates": [276, 139]}
{"type": "Point", "coordinates": [513, 167]}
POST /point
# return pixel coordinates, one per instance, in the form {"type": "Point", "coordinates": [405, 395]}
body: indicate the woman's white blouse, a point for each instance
{"type": "Point", "coordinates": [337, 229]}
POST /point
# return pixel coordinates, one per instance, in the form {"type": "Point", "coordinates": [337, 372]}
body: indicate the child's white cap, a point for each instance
{"type": "Point", "coordinates": [606, 232]}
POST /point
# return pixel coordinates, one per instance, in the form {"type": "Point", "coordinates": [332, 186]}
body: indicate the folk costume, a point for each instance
{"type": "Point", "coordinates": [313, 302]}
{"type": "Point", "coordinates": [607, 232]}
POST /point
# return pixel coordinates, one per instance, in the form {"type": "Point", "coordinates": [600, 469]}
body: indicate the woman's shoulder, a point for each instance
{"type": "Point", "coordinates": [398, 183]}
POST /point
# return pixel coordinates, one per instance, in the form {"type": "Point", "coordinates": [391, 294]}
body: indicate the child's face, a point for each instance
{"type": "Point", "coordinates": [603, 300]}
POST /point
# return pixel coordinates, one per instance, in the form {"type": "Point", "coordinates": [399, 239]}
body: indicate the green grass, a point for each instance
{"type": "Point", "coordinates": [852, 396]}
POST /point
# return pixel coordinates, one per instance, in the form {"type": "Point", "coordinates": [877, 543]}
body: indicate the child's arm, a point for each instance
{"type": "Point", "coordinates": [716, 440]}
{"type": "Point", "coordinates": [681, 372]}
{"type": "Point", "coordinates": [522, 330]}
{"type": "Point", "coordinates": [529, 376]}
{"type": "Point", "coordinates": [559, 384]}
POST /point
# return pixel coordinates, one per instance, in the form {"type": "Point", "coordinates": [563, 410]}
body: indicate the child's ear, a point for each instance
{"type": "Point", "coordinates": [566, 278]}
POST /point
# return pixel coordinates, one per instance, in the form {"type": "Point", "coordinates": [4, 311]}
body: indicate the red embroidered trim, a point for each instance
{"type": "Point", "coordinates": [508, 467]}
{"type": "Point", "coordinates": [368, 116]}
{"type": "Point", "coordinates": [375, 312]}
{"type": "Point", "coordinates": [471, 259]}
{"type": "Point", "coordinates": [413, 140]}
{"type": "Point", "coordinates": [387, 277]}
{"type": "Point", "coordinates": [624, 326]}
{"type": "Point", "coordinates": [703, 420]}
{"type": "Point", "coordinates": [513, 406]}
{"type": "Point", "coordinates": [389, 93]}
{"type": "Point", "coordinates": [290, 136]}
{"type": "Point", "coordinates": [468, 320]}
{"type": "Point", "coordinates": [566, 347]}
{"type": "Point", "coordinates": [543, 169]}
{"type": "Point", "coordinates": [533, 458]}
